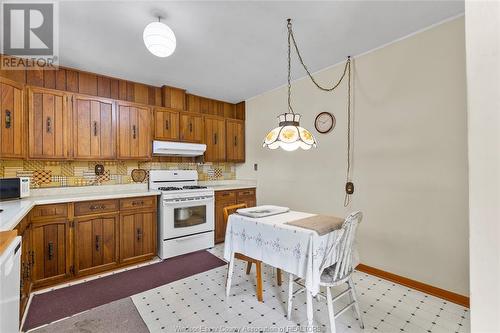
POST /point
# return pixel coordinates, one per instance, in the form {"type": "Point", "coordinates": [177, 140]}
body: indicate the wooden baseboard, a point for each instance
{"type": "Point", "coordinates": [423, 287]}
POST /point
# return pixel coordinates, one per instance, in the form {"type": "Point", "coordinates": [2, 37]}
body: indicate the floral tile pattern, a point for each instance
{"type": "Point", "coordinates": [82, 173]}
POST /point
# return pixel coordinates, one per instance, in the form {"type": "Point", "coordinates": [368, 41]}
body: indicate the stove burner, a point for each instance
{"type": "Point", "coordinates": [193, 187]}
{"type": "Point", "coordinates": [169, 188]}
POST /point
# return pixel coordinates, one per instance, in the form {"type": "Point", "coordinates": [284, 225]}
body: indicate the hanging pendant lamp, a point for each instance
{"type": "Point", "coordinates": [289, 135]}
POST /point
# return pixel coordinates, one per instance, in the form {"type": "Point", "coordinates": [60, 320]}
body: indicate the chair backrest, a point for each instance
{"type": "Point", "coordinates": [228, 210]}
{"type": "Point", "coordinates": [343, 266]}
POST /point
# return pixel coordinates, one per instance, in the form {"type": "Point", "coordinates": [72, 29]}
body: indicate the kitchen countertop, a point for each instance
{"type": "Point", "coordinates": [14, 211]}
{"type": "Point", "coordinates": [226, 185]}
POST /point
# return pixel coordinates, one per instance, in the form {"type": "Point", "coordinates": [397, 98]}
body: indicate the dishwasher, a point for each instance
{"type": "Point", "coordinates": [10, 278]}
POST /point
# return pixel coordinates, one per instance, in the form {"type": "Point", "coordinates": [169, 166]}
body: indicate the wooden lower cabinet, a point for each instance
{"type": "Point", "coordinates": [137, 236]}
{"type": "Point", "coordinates": [24, 231]}
{"type": "Point", "coordinates": [70, 240]}
{"type": "Point", "coordinates": [228, 198]}
{"type": "Point", "coordinates": [96, 244]}
{"type": "Point", "coordinates": [50, 246]}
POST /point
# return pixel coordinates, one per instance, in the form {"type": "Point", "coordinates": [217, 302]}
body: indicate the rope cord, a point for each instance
{"type": "Point", "coordinates": [347, 70]}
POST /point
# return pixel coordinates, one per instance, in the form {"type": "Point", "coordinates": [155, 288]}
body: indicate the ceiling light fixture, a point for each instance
{"type": "Point", "coordinates": [159, 39]}
{"type": "Point", "coordinates": [290, 136]}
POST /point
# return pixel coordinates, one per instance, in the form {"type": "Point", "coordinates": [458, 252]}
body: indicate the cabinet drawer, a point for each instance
{"type": "Point", "coordinates": [248, 192]}
{"type": "Point", "coordinates": [136, 203]}
{"type": "Point", "coordinates": [95, 207]}
{"type": "Point", "coordinates": [225, 195]}
{"type": "Point", "coordinates": [49, 212]}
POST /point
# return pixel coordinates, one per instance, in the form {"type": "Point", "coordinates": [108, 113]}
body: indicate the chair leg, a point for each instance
{"type": "Point", "coordinates": [229, 275]}
{"type": "Point", "coordinates": [356, 304]}
{"type": "Point", "coordinates": [331, 315]}
{"type": "Point", "coordinates": [249, 267]}
{"type": "Point", "coordinates": [259, 281]}
{"type": "Point", "coordinates": [290, 296]}
{"type": "Point", "coordinates": [278, 276]}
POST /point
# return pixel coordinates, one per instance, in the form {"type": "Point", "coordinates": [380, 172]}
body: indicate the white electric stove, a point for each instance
{"type": "Point", "coordinates": [186, 214]}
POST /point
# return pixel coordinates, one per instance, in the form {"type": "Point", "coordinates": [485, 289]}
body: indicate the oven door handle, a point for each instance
{"type": "Point", "coordinates": [190, 202]}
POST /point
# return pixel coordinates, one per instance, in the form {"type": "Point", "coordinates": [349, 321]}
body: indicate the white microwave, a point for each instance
{"type": "Point", "coordinates": [14, 188]}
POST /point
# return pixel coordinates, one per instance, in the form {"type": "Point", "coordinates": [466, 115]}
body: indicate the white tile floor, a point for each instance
{"type": "Point", "coordinates": [198, 304]}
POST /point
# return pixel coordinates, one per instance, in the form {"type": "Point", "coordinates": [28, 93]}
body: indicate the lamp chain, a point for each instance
{"type": "Point", "coordinates": [289, 26]}
{"type": "Point", "coordinates": [347, 70]}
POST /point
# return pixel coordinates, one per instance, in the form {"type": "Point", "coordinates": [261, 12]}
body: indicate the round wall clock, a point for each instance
{"type": "Point", "coordinates": [325, 122]}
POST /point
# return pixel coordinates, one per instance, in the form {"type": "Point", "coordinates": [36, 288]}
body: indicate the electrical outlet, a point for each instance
{"type": "Point", "coordinates": [255, 166]}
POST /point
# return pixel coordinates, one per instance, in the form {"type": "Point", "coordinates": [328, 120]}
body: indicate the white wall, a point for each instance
{"type": "Point", "coordinates": [483, 83]}
{"type": "Point", "coordinates": [410, 159]}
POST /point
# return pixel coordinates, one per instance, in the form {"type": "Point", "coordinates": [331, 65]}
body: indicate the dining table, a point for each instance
{"type": "Point", "coordinates": [296, 250]}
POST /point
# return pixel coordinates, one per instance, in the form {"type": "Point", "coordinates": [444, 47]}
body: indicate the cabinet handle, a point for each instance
{"type": "Point", "coordinates": [215, 138]}
{"type": "Point", "coordinates": [97, 239]}
{"type": "Point", "coordinates": [137, 203]}
{"type": "Point", "coordinates": [235, 140]}
{"type": "Point", "coordinates": [51, 250]}
{"type": "Point", "coordinates": [225, 194]}
{"type": "Point", "coordinates": [166, 124]}
{"type": "Point", "coordinates": [139, 234]}
{"type": "Point", "coordinates": [134, 131]}
{"type": "Point", "coordinates": [8, 119]}
{"type": "Point", "coordinates": [190, 127]}
{"type": "Point", "coordinates": [49, 125]}
{"type": "Point", "coordinates": [94, 207]}
{"type": "Point", "coordinates": [95, 128]}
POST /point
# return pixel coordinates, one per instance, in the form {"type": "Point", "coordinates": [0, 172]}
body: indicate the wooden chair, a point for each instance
{"type": "Point", "coordinates": [258, 264]}
{"type": "Point", "coordinates": [337, 274]}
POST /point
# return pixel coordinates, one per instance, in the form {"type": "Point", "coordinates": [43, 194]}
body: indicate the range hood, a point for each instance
{"type": "Point", "coordinates": [171, 148]}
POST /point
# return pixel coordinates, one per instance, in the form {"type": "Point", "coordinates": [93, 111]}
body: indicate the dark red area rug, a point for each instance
{"type": "Point", "coordinates": [61, 303]}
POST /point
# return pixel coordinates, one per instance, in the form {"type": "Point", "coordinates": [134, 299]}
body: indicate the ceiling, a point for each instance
{"type": "Point", "coordinates": [233, 50]}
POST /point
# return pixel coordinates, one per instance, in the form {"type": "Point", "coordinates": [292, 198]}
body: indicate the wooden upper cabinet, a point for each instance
{"type": "Point", "coordinates": [12, 133]}
{"type": "Point", "coordinates": [235, 140]}
{"type": "Point", "coordinates": [134, 131]}
{"type": "Point", "coordinates": [94, 128]}
{"type": "Point", "coordinates": [49, 119]}
{"type": "Point", "coordinates": [215, 139]}
{"type": "Point", "coordinates": [191, 127]}
{"type": "Point", "coordinates": [96, 244]}
{"type": "Point", "coordinates": [166, 124]}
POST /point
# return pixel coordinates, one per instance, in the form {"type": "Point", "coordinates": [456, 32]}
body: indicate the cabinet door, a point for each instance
{"type": "Point", "coordinates": [12, 121]}
{"type": "Point", "coordinates": [191, 128]}
{"type": "Point", "coordinates": [134, 131]}
{"type": "Point", "coordinates": [235, 142]}
{"type": "Point", "coordinates": [96, 244]}
{"type": "Point", "coordinates": [48, 124]}
{"type": "Point", "coordinates": [215, 139]}
{"type": "Point", "coordinates": [222, 199]}
{"type": "Point", "coordinates": [26, 267]}
{"type": "Point", "coordinates": [94, 135]}
{"type": "Point", "coordinates": [50, 251]}
{"type": "Point", "coordinates": [166, 124]}
{"type": "Point", "coordinates": [137, 236]}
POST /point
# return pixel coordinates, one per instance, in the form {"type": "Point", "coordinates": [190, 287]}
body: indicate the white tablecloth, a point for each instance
{"type": "Point", "coordinates": [295, 250]}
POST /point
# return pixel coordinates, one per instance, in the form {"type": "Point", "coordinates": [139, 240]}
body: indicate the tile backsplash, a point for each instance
{"type": "Point", "coordinates": [81, 173]}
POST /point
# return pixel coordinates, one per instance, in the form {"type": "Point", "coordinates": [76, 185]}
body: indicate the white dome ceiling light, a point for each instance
{"type": "Point", "coordinates": [159, 39]}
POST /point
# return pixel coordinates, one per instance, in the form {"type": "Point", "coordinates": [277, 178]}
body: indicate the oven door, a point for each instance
{"type": "Point", "coordinates": [183, 218]}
